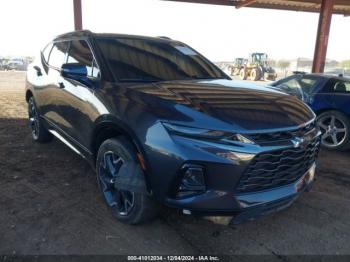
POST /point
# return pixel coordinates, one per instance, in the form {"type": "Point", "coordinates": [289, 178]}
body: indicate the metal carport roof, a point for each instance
{"type": "Point", "coordinates": [324, 7]}
{"type": "Point", "coordinates": [340, 6]}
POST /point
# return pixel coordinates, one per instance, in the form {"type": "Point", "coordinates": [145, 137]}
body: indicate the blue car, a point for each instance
{"type": "Point", "coordinates": [329, 97]}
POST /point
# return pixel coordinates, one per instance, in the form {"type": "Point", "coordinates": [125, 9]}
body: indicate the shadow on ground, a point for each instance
{"type": "Point", "coordinates": [49, 204]}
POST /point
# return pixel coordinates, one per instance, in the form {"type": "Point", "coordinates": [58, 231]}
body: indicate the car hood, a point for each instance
{"type": "Point", "coordinates": [235, 103]}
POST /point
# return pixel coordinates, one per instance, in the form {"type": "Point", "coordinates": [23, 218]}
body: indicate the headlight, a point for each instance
{"type": "Point", "coordinates": [194, 132]}
{"type": "Point", "coordinates": [206, 133]}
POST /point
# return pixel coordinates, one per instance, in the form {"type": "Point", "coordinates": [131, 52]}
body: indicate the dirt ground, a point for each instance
{"type": "Point", "coordinates": [49, 204]}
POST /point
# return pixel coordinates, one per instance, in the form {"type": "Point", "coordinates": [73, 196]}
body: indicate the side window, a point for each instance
{"type": "Point", "coordinates": [337, 86]}
{"type": "Point", "coordinates": [342, 87]}
{"type": "Point", "coordinates": [58, 54]}
{"type": "Point", "coordinates": [80, 53]}
{"type": "Point", "coordinates": [46, 52]}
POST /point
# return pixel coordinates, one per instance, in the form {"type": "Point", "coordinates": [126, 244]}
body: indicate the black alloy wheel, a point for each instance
{"type": "Point", "coordinates": [122, 182]}
{"type": "Point", "coordinates": [33, 118]}
{"type": "Point", "coordinates": [120, 201]}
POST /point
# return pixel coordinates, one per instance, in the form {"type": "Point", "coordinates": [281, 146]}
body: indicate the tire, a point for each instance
{"type": "Point", "coordinates": [236, 71]}
{"type": "Point", "coordinates": [242, 74]}
{"type": "Point", "coordinates": [130, 205]}
{"type": "Point", "coordinates": [230, 70]}
{"type": "Point", "coordinates": [39, 132]}
{"type": "Point", "coordinates": [255, 74]}
{"type": "Point", "coordinates": [335, 128]}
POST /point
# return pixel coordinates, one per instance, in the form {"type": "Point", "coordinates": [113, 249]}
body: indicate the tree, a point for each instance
{"type": "Point", "coordinates": [272, 62]}
{"type": "Point", "coordinates": [283, 64]}
{"type": "Point", "coordinates": [345, 63]}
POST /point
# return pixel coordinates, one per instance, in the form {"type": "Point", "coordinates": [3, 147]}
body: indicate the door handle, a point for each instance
{"type": "Point", "coordinates": [60, 85]}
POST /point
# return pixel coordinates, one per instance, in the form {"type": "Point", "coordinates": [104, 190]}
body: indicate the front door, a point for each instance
{"type": "Point", "coordinates": [79, 105]}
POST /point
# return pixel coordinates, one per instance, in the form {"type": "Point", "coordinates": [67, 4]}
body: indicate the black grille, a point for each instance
{"type": "Point", "coordinates": [278, 168]}
{"type": "Point", "coordinates": [276, 137]}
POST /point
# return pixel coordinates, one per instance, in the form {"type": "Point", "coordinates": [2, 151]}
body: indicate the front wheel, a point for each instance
{"type": "Point", "coordinates": [122, 182]}
{"type": "Point", "coordinates": [255, 75]}
{"type": "Point", "coordinates": [335, 128]}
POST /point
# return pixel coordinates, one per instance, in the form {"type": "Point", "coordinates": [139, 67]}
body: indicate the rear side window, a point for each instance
{"type": "Point", "coordinates": [342, 87]}
{"type": "Point", "coordinates": [337, 86]}
{"type": "Point", "coordinates": [58, 54]}
{"type": "Point", "coordinates": [80, 53]}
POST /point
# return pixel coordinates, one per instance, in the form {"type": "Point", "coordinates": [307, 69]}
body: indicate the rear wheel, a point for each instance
{"type": "Point", "coordinates": [39, 131]}
{"type": "Point", "coordinates": [122, 183]}
{"type": "Point", "coordinates": [243, 74]}
{"type": "Point", "coordinates": [335, 128]}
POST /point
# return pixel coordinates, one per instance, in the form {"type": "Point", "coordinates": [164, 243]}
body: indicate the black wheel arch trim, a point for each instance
{"type": "Point", "coordinates": [116, 127]}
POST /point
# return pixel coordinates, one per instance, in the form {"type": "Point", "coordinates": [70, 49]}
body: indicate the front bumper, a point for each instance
{"type": "Point", "coordinates": [248, 206]}
{"type": "Point", "coordinates": [225, 166]}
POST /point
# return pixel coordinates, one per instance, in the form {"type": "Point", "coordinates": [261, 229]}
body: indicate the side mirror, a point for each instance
{"type": "Point", "coordinates": [38, 71]}
{"type": "Point", "coordinates": [75, 71]}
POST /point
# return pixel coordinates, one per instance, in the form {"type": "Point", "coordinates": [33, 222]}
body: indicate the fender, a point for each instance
{"type": "Point", "coordinates": [117, 126]}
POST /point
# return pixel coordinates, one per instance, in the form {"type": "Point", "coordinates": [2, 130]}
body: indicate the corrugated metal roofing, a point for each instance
{"type": "Point", "coordinates": [340, 7]}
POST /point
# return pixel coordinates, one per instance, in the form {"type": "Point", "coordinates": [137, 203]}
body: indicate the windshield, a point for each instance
{"type": "Point", "coordinates": [301, 86]}
{"type": "Point", "coordinates": [257, 57]}
{"type": "Point", "coordinates": [145, 60]}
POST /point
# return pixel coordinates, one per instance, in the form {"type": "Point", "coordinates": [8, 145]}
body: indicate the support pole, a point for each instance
{"type": "Point", "coordinates": [324, 25]}
{"type": "Point", "coordinates": [78, 18]}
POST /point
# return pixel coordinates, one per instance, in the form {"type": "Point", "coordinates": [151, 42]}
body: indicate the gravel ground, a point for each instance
{"type": "Point", "coordinates": [49, 204]}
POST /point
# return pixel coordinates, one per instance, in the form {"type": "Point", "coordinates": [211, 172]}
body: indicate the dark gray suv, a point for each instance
{"type": "Point", "coordinates": [162, 124]}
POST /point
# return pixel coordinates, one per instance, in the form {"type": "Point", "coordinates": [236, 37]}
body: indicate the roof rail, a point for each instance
{"type": "Point", "coordinates": [74, 33]}
{"type": "Point", "coordinates": [164, 37]}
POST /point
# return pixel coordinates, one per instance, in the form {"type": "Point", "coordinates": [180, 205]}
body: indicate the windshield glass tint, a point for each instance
{"type": "Point", "coordinates": [307, 84]}
{"type": "Point", "coordinates": [296, 84]}
{"type": "Point", "coordinates": [149, 60]}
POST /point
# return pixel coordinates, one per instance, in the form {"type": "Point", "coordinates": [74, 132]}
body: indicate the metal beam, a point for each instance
{"type": "Point", "coordinates": [78, 17]}
{"type": "Point", "coordinates": [341, 7]}
{"type": "Point", "coordinates": [324, 25]}
{"type": "Point", "coordinates": [244, 3]}
{"type": "Point", "coordinates": [208, 2]}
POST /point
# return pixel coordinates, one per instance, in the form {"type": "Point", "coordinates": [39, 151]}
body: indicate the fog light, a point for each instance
{"type": "Point", "coordinates": [192, 181]}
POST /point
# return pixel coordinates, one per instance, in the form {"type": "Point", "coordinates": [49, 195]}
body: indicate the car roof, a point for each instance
{"type": "Point", "coordinates": [88, 33]}
{"type": "Point", "coordinates": [328, 76]}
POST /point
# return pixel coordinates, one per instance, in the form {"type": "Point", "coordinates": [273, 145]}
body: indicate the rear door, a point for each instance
{"type": "Point", "coordinates": [79, 107]}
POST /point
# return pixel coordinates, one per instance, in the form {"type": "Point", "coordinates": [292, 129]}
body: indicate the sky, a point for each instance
{"type": "Point", "coordinates": [221, 33]}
